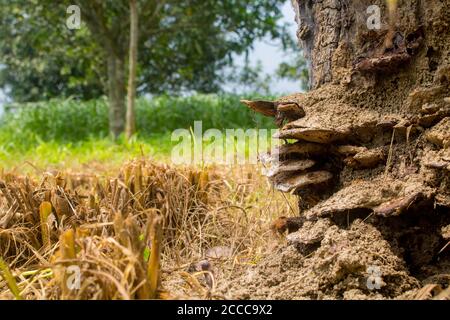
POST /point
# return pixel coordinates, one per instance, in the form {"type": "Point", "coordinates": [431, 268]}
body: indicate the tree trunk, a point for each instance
{"type": "Point", "coordinates": [131, 117]}
{"type": "Point", "coordinates": [372, 137]}
{"type": "Point", "coordinates": [337, 40]}
{"type": "Point", "coordinates": [116, 95]}
{"type": "Point", "coordinates": [376, 89]}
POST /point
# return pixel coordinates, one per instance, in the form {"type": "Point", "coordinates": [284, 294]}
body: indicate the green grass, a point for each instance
{"type": "Point", "coordinates": [63, 133]}
{"type": "Point", "coordinates": [87, 154]}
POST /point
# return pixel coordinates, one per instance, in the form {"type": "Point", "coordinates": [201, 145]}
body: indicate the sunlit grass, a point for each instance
{"type": "Point", "coordinates": [70, 134]}
{"type": "Point", "coordinates": [102, 152]}
{"type": "Point", "coordinates": [65, 121]}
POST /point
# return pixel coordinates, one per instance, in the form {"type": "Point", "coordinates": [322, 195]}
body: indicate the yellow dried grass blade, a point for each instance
{"type": "Point", "coordinates": [138, 184]}
{"type": "Point", "coordinates": [392, 6]}
{"type": "Point", "coordinates": [203, 180]}
{"type": "Point", "coordinates": [127, 174]}
{"type": "Point", "coordinates": [153, 270]}
{"type": "Point", "coordinates": [67, 251]}
{"type": "Point", "coordinates": [10, 280]}
{"type": "Point", "coordinates": [67, 242]}
{"type": "Point", "coordinates": [45, 210]}
{"type": "Point", "coordinates": [137, 179]}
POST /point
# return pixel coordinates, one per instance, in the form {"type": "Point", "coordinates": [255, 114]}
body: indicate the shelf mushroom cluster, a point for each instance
{"type": "Point", "coordinates": [321, 143]}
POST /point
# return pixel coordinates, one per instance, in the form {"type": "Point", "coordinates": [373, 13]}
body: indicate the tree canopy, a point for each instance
{"type": "Point", "coordinates": [183, 45]}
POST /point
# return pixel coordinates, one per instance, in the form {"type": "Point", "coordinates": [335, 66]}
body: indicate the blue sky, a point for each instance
{"type": "Point", "coordinates": [269, 55]}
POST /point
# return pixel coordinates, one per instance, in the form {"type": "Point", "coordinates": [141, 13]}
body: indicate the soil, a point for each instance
{"type": "Point", "coordinates": [335, 269]}
{"type": "Point", "coordinates": [324, 260]}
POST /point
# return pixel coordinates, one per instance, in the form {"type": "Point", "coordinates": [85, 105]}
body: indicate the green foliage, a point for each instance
{"type": "Point", "coordinates": [70, 121]}
{"type": "Point", "coordinates": [39, 61]}
{"type": "Point", "coordinates": [251, 78]}
{"type": "Point", "coordinates": [184, 45]}
{"type": "Point", "coordinates": [103, 152]}
{"type": "Point", "coordinates": [165, 114]}
{"type": "Point", "coordinates": [296, 69]}
{"type": "Point", "coordinates": [64, 120]}
{"type": "Point", "coordinates": [69, 133]}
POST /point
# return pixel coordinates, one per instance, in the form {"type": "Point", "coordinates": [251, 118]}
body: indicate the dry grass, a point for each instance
{"type": "Point", "coordinates": [138, 234]}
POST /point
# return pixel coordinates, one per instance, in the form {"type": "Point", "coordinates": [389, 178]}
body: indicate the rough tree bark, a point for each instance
{"type": "Point", "coordinates": [373, 134]}
{"type": "Point", "coordinates": [134, 36]}
{"type": "Point", "coordinates": [380, 97]}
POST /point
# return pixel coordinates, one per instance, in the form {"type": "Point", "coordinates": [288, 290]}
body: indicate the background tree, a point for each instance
{"type": "Point", "coordinates": [134, 34]}
{"type": "Point", "coordinates": [250, 79]}
{"type": "Point", "coordinates": [295, 69]}
{"type": "Point", "coordinates": [183, 45]}
{"type": "Point", "coordinates": [39, 61]}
